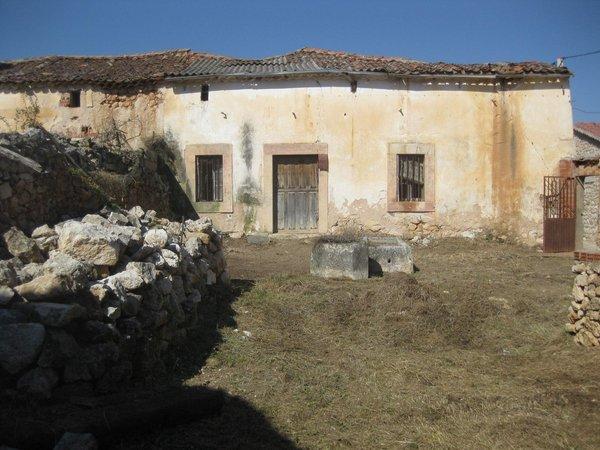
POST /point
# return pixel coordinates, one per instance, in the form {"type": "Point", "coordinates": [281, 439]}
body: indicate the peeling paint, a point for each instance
{"type": "Point", "coordinates": [493, 143]}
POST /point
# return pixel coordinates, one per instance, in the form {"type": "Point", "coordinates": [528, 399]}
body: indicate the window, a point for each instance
{"type": "Point", "coordinates": [209, 174]}
{"type": "Point", "coordinates": [209, 178]}
{"type": "Point", "coordinates": [74, 99]}
{"type": "Point", "coordinates": [411, 178]}
{"type": "Point", "coordinates": [204, 93]}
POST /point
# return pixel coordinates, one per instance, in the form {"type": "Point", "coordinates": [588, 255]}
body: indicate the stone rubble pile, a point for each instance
{"type": "Point", "coordinates": [584, 311]}
{"type": "Point", "coordinates": [89, 300]}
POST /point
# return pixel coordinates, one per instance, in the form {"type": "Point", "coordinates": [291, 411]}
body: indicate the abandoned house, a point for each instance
{"type": "Point", "coordinates": [313, 138]}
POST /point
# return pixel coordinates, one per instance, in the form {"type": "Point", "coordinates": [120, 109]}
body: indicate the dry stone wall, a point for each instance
{"type": "Point", "coordinates": [93, 300]}
{"type": "Point", "coordinates": [45, 178]}
{"type": "Point", "coordinates": [39, 184]}
{"type": "Point", "coordinates": [584, 311]}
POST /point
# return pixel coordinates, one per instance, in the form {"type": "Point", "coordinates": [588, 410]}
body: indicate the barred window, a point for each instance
{"type": "Point", "coordinates": [411, 178]}
{"type": "Point", "coordinates": [209, 178]}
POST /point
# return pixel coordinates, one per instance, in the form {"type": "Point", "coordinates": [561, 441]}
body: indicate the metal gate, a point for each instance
{"type": "Point", "coordinates": [296, 183]}
{"type": "Point", "coordinates": [559, 214]}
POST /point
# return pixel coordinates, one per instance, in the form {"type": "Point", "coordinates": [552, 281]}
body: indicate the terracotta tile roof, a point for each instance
{"type": "Point", "coordinates": [590, 129]}
{"type": "Point", "coordinates": [152, 67]}
{"type": "Point", "coordinates": [110, 70]}
{"type": "Point", "coordinates": [318, 60]}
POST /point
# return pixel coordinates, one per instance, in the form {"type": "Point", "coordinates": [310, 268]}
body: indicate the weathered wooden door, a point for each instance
{"type": "Point", "coordinates": [559, 214]}
{"type": "Point", "coordinates": [296, 186]}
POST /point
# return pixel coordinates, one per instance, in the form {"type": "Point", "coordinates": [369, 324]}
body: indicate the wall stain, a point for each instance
{"type": "Point", "coordinates": [249, 193]}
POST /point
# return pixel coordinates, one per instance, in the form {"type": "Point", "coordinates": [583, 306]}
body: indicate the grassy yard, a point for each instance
{"type": "Point", "coordinates": [468, 353]}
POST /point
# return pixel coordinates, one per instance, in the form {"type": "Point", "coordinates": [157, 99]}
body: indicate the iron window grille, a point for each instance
{"type": "Point", "coordinates": [411, 178]}
{"type": "Point", "coordinates": [209, 178]}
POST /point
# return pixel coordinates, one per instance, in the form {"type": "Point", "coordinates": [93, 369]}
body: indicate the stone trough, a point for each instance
{"type": "Point", "coordinates": [388, 254]}
{"type": "Point", "coordinates": [340, 260]}
{"type": "Point", "coordinates": [359, 259]}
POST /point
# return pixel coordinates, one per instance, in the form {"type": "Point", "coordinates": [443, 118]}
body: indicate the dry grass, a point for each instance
{"type": "Point", "coordinates": [469, 353]}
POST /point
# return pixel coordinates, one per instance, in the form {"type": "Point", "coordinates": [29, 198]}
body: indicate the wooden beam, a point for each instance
{"type": "Point", "coordinates": [14, 156]}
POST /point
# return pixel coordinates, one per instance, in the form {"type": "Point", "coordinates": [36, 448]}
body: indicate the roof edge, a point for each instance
{"type": "Point", "coordinates": [127, 55]}
{"type": "Point", "coordinates": [363, 73]}
{"type": "Point", "coordinates": [586, 134]}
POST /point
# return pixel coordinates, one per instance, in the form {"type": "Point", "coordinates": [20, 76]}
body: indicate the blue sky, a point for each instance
{"type": "Point", "coordinates": [453, 30]}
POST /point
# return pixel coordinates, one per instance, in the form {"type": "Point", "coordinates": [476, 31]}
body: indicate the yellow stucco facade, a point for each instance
{"type": "Point", "coordinates": [491, 141]}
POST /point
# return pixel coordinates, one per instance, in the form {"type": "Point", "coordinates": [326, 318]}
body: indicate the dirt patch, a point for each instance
{"type": "Point", "coordinates": [250, 262]}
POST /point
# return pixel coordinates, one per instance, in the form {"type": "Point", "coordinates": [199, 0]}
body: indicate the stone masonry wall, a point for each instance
{"type": "Point", "coordinates": [587, 148]}
{"type": "Point", "coordinates": [45, 178]}
{"type": "Point", "coordinates": [591, 209]}
{"type": "Point", "coordinates": [584, 311]}
{"type": "Point", "coordinates": [89, 303]}
{"type": "Point", "coordinates": [32, 193]}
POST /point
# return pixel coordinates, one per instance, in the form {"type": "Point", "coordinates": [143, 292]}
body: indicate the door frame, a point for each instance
{"type": "Point", "coordinates": [267, 210]}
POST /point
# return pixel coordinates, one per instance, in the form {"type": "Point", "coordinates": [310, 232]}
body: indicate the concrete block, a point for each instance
{"type": "Point", "coordinates": [258, 238]}
{"type": "Point", "coordinates": [389, 254]}
{"type": "Point", "coordinates": [340, 260]}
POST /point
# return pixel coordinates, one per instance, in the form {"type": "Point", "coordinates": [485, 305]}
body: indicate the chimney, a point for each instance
{"type": "Point", "coordinates": [560, 61]}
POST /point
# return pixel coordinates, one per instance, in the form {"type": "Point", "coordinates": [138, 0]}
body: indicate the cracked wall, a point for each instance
{"type": "Point", "coordinates": [129, 113]}
{"type": "Point", "coordinates": [493, 144]}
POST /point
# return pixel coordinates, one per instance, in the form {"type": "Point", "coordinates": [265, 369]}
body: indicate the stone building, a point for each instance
{"type": "Point", "coordinates": [309, 140]}
{"type": "Point", "coordinates": [587, 149]}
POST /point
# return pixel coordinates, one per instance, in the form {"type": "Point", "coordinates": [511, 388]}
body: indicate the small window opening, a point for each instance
{"type": "Point", "coordinates": [204, 93]}
{"type": "Point", "coordinates": [353, 86]}
{"type": "Point", "coordinates": [209, 178]}
{"type": "Point", "coordinates": [411, 178]}
{"type": "Point", "coordinates": [74, 99]}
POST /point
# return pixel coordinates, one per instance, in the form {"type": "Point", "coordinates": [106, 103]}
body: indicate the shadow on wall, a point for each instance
{"type": "Point", "coordinates": [170, 169]}
{"type": "Point", "coordinates": [45, 178]}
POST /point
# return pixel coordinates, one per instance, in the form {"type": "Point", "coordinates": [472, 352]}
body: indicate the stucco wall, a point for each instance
{"type": "Point", "coordinates": [493, 144]}
{"type": "Point", "coordinates": [133, 112]}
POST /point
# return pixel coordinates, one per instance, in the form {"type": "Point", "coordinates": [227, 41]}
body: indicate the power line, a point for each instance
{"type": "Point", "coordinates": [581, 54]}
{"type": "Point", "coordinates": [586, 112]}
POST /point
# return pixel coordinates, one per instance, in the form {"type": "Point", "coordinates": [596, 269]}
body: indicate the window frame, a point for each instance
{"type": "Point", "coordinates": [225, 150]}
{"type": "Point", "coordinates": [393, 203]}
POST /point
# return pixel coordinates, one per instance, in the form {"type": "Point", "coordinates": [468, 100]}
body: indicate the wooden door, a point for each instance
{"type": "Point", "coordinates": [559, 214]}
{"type": "Point", "coordinates": [296, 186]}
